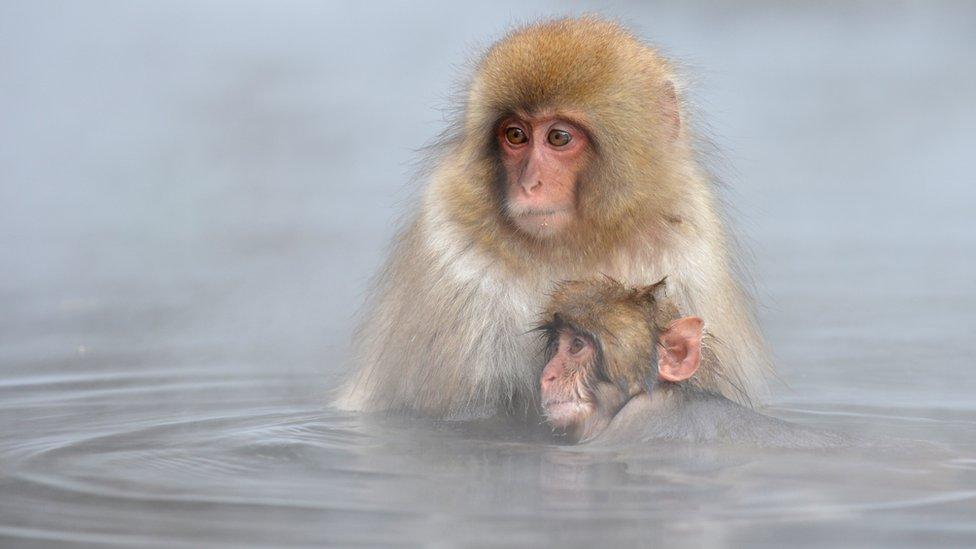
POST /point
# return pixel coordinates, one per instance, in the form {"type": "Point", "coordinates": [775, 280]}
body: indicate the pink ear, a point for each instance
{"type": "Point", "coordinates": [679, 351]}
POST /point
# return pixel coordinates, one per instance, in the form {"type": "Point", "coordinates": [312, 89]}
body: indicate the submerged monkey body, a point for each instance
{"type": "Point", "coordinates": [686, 414]}
{"type": "Point", "coordinates": [446, 330]}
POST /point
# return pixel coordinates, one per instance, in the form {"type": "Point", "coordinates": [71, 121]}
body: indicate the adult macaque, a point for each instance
{"type": "Point", "coordinates": [572, 159]}
{"type": "Point", "coordinates": [622, 368]}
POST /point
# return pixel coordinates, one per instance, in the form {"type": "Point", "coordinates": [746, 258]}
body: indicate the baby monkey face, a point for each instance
{"type": "Point", "coordinates": [568, 379]}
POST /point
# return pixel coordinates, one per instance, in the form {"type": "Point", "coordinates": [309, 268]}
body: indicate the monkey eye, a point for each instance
{"type": "Point", "coordinates": [515, 135]}
{"type": "Point", "coordinates": [558, 138]}
{"type": "Point", "coordinates": [576, 345]}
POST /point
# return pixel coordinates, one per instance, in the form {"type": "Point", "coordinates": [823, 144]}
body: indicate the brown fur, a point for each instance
{"type": "Point", "coordinates": [445, 332]}
{"type": "Point", "coordinates": [606, 311]}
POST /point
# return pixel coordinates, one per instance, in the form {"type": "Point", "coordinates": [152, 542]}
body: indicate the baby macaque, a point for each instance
{"type": "Point", "coordinates": [621, 369]}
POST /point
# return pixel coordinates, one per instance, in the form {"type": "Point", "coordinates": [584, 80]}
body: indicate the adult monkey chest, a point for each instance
{"type": "Point", "coordinates": [571, 160]}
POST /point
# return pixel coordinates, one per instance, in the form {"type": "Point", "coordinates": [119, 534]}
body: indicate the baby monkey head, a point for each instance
{"type": "Point", "coordinates": [605, 343]}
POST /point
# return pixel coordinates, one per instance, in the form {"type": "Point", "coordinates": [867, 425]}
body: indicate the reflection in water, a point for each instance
{"type": "Point", "coordinates": [188, 218]}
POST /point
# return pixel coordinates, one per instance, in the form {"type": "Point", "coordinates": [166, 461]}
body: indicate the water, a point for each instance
{"type": "Point", "coordinates": [192, 198]}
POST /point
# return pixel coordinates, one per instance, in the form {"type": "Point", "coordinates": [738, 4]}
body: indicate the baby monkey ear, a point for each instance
{"type": "Point", "coordinates": [679, 349]}
{"type": "Point", "coordinates": [649, 294]}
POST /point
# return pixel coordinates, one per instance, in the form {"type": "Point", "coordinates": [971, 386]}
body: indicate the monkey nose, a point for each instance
{"type": "Point", "coordinates": [531, 185]}
{"type": "Point", "coordinates": [547, 378]}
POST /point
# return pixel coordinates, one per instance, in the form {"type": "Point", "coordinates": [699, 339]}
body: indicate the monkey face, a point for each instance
{"type": "Point", "coordinates": [568, 379]}
{"type": "Point", "coordinates": [542, 158]}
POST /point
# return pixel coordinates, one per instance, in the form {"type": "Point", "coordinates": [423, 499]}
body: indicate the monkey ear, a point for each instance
{"type": "Point", "coordinates": [671, 110]}
{"type": "Point", "coordinates": [679, 352]}
{"type": "Point", "coordinates": [652, 293]}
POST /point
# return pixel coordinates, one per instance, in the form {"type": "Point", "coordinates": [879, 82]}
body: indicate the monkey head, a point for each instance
{"type": "Point", "coordinates": [604, 341]}
{"type": "Point", "coordinates": [580, 123]}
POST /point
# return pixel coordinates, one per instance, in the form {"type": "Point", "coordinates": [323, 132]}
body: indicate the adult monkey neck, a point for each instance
{"type": "Point", "coordinates": [572, 160]}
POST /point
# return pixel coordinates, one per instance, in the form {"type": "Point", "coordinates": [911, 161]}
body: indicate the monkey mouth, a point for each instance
{"type": "Point", "coordinates": [539, 215]}
{"type": "Point", "coordinates": [541, 221]}
{"type": "Point", "coordinates": [540, 212]}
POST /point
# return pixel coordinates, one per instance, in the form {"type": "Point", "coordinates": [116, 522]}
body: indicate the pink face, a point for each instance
{"type": "Point", "coordinates": [543, 157]}
{"type": "Point", "coordinates": [565, 382]}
